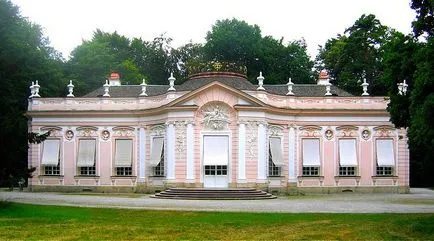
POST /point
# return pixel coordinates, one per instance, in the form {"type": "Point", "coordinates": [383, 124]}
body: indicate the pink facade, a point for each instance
{"type": "Point", "coordinates": [211, 132]}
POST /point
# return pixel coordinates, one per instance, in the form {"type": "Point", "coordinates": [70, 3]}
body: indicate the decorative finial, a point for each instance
{"type": "Point", "coordinates": [143, 84]}
{"type": "Point", "coordinates": [290, 84]}
{"type": "Point", "coordinates": [171, 82]}
{"type": "Point", "coordinates": [260, 79]}
{"type": "Point", "coordinates": [328, 88]}
{"type": "Point", "coordinates": [32, 90]}
{"type": "Point", "coordinates": [365, 87]}
{"type": "Point", "coordinates": [70, 89]}
{"type": "Point", "coordinates": [36, 89]}
{"type": "Point", "coordinates": [402, 88]}
{"type": "Point", "coordinates": [106, 89]}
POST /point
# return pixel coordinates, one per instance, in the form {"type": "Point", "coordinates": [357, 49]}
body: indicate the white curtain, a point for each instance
{"type": "Point", "coordinates": [86, 153]}
{"type": "Point", "coordinates": [124, 153]}
{"type": "Point", "coordinates": [347, 152]}
{"type": "Point", "coordinates": [311, 155]}
{"type": "Point", "coordinates": [215, 150]}
{"type": "Point", "coordinates": [385, 156]}
{"type": "Point", "coordinates": [50, 152]}
{"type": "Point", "coordinates": [276, 151]}
{"type": "Point", "coordinates": [157, 149]}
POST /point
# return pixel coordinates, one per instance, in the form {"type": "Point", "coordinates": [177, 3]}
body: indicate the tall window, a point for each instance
{"type": "Point", "coordinates": [50, 157]}
{"type": "Point", "coordinates": [157, 156]}
{"type": "Point", "coordinates": [311, 157]}
{"type": "Point", "coordinates": [86, 157]}
{"type": "Point", "coordinates": [347, 157]}
{"type": "Point", "coordinates": [385, 157]}
{"type": "Point", "coordinates": [216, 155]}
{"type": "Point", "coordinates": [124, 157]}
{"type": "Point", "coordinates": [275, 157]}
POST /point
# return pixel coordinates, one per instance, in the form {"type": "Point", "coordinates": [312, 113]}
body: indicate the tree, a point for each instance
{"type": "Point", "coordinates": [357, 55]}
{"type": "Point", "coordinates": [238, 42]}
{"type": "Point", "coordinates": [24, 56]}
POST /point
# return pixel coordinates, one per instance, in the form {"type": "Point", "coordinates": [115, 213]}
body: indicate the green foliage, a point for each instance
{"type": "Point", "coordinates": [75, 223]}
{"type": "Point", "coordinates": [424, 22]}
{"type": "Point", "coordinates": [24, 57]}
{"type": "Point", "coordinates": [357, 55]}
{"type": "Point", "coordinates": [421, 128]}
{"type": "Point", "coordinates": [238, 42]}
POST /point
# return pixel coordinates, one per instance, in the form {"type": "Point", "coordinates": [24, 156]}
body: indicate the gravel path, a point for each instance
{"type": "Point", "coordinates": [418, 201]}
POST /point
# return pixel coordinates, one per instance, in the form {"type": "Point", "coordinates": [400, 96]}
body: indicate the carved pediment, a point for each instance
{"type": "Point", "coordinates": [215, 116]}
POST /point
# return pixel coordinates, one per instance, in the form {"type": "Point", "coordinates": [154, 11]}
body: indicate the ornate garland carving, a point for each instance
{"type": "Point", "coordinates": [123, 131]}
{"type": "Point", "coordinates": [347, 131]}
{"type": "Point", "coordinates": [310, 130]}
{"type": "Point", "coordinates": [383, 131]}
{"type": "Point", "coordinates": [87, 131]}
{"type": "Point", "coordinates": [158, 130]}
{"type": "Point", "coordinates": [275, 130]}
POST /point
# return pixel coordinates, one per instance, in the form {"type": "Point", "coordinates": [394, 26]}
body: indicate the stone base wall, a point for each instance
{"type": "Point", "coordinates": [290, 189]}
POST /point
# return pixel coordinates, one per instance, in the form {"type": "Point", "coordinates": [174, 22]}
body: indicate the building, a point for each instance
{"type": "Point", "coordinates": [217, 130]}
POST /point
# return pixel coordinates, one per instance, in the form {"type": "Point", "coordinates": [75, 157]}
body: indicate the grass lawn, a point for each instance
{"type": "Point", "coordinates": [35, 222]}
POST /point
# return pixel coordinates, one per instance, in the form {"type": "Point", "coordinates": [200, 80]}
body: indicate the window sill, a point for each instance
{"type": "Point", "coordinates": [85, 176]}
{"type": "Point", "coordinates": [385, 177]}
{"type": "Point", "coordinates": [121, 176]}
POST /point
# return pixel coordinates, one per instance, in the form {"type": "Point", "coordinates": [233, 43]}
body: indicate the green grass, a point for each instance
{"type": "Point", "coordinates": [34, 222]}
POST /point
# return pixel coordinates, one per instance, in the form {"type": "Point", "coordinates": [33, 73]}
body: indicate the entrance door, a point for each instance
{"type": "Point", "coordinates": [215, 161]}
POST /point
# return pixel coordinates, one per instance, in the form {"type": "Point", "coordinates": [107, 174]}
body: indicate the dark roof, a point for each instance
{"type": "Point", "coordinates": [304, 90]}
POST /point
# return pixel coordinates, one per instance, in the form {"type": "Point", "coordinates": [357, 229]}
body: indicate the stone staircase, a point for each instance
{"type": "Point", "coordinates": [214, 194]}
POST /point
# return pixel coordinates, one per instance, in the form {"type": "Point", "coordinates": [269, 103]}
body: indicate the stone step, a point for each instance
{"type": "Point", "coordinates": [214, 193]}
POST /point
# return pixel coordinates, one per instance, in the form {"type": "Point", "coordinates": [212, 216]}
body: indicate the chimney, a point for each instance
{"type": "Point", "coordinates": [114, 79]}
{"type": "Point", "coordinates": [323, 78]}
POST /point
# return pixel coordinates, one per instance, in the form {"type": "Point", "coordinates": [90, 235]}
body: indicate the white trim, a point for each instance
{"type": "Point", "coordinates": [190, 152]}
{"type": "Point", "coordinates": [170, 151]}
{"type": "Point", "coordinates": [242, 151]}
{"type": "Point", "coordinates": [291, 155]}
{"type": "Point", "coordinates": [142, 153]}
{"type": "Point", "coordinates": [262, 151]}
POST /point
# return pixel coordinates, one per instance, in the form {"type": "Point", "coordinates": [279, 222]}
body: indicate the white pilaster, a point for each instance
{"type": "Point", "coordinates": [262, 139]}
{"type": "Point", "coordinates": [142, 153]}
{"type": "Point", "coordinates": [190, 152]}
{"type": "Point", "coordinates": [242, 152]}
{"type": "Point", "coordinates": [291, 158]}
{"type": "Point", "coordinates": [171, 151]}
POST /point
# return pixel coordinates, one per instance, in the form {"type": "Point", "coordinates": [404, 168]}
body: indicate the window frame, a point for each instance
{"type": "Point", "coordinates": [87, 171]}
{"type": "Point", "coordinates": [44, 169]}
{"type": "Point", "coordinates": [272, 169]}
{"type": "Point", "coordinates": [310, 171]}
{"type": "Point", "coordinates": [123, 170]}
{"type": "Point", "coordinates": [160, 169]}
{"type": "Point", "coordinates": [382, 171]}
{"type": "Point", "coordinates": [348, 170]}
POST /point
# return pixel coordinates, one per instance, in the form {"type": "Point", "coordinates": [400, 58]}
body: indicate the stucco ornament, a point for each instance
{"type": "Point", "coordinates": [105, 134]}
{"type": "Point", "coordinates": [69, 134]}
{"type": "Point", "coordinates": [158, 130]}
{"type": "Point", "coordinates": [215, 117]}
{"type": "Point", "coordinates": [181, 133]}
{"type": "Point", "coordinates": [328, 134]}
{"type": "Point", "coordinates": [275, 130]}
{"type": "Point", "coordinates": [366, 134]}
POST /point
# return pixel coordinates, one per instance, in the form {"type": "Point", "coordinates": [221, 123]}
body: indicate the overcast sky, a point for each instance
{"type": "Point", "coordinates": [68, 22]}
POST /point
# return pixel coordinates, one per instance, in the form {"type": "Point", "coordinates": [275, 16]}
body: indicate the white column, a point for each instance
{"type": "Point", "coordinates": [291, 158]}
{"type": "Point", "coordinates": [262, 139]}
{"type": "Point", "coordinates": [242, 152]}
{"type": "Point", "coordinates": [190, 152]}
{"type": "Point", "coordinates": [170, 151]}
{"type": "Point", "coordinates": [142, 153]}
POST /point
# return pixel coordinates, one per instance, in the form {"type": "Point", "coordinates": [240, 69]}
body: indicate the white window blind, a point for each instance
{"type": "Point", "coordinates": [276, 151]}
{"type": "Point", "coordinates": [311, 155]}
{"type": "Point", "coordinates": [385, 156]}
{"type": "Point", "coordinates": [124, 153]}
{"type": "Point", "coordinates": [86, 153]}
{"type": "Point", "coordinates": [50, 152]}
{"type": "Point", "coordinates": [215, 150]}
{"type": "Point", "coordinates": [347, 152]}
{"type": "Point", "coordinates": [157, 149]}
